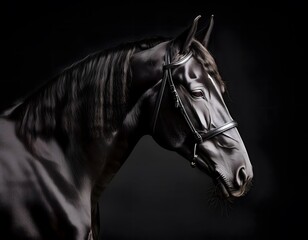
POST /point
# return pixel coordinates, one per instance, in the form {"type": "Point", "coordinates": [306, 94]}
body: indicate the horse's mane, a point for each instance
{"type": "Point", "coordinates": [207, 60]}
{"type": "Point", "coordinates": [92, 92]}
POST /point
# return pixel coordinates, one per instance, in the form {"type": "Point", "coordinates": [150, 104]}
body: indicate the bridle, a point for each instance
{"type": "Point", "coordinates": [199, 136]}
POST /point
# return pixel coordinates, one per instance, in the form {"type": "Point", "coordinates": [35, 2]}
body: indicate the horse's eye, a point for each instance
{"type": "Point", "coordinates": [198, 94]}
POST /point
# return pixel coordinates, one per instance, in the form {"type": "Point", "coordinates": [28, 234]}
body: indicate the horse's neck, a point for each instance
{"type": "Point", "coordinates": [99, 158]}
{"type": "Point", "coordinates": [146, 71]}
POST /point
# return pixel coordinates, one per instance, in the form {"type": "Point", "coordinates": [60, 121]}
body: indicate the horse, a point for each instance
{"type": "Point", "coordinates": [61, 145]}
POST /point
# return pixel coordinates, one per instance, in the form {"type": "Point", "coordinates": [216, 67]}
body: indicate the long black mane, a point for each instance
{"type": "Point", "coordinates": [92, 92]}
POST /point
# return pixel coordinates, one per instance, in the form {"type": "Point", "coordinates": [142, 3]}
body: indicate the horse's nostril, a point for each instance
{"type": "Point", "coordinates": [241, 177]}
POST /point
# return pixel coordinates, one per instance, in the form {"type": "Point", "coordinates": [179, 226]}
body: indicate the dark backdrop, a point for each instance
{"type": "Point", "coordinates": [156, 195]}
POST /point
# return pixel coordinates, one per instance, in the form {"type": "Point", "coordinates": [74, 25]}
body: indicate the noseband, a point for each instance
{"type": "Point", "coordinates": [199, 136]}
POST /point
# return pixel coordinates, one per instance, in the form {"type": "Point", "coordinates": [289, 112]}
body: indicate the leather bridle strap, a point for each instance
{"type": "Point", "coordinates": [166, 75]}
{"type": "Point", "coordinates": [216, 131]}
{"type": "Point", "coordinates": [177, 99]}
{"type": "Point", "coordinates": [158, 101]}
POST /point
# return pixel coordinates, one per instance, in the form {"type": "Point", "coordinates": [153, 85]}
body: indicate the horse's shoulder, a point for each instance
{"type": "Point", "coordinates": [35, 187]}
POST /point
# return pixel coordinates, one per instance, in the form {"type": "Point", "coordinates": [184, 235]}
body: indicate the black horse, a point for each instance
{"type": "Point", "coordinates": [61, 146]}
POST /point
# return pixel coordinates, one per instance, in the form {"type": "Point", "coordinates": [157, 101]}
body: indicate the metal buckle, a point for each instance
{"type": "Point", "coordinates": [193, 162]}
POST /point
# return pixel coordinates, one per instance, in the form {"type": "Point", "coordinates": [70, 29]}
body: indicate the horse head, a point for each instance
{"type": "Point", "coordinates": [183, 92]}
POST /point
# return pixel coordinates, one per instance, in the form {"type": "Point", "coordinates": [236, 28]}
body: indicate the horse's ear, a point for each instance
{"type": "Point", "coordinates": [184, 40]}
{"type": "Point", "coordinates": [203, 36]}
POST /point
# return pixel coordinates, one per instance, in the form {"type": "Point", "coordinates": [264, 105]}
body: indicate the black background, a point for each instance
{"type": "Point", "coordinates": [156, 195]}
